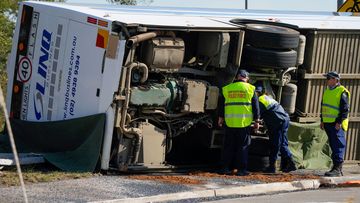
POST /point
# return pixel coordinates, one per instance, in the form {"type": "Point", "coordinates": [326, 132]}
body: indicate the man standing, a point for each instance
{"type": "Point", "coordinates": [277, 122]}
{"type": "Point", "coordinates": [240, 108]}
{"type": "Point", "coordinates": [334, 119]}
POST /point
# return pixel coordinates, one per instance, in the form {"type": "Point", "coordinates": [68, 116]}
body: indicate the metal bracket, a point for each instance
{"type": "Point", "coordinates": [281, 78]}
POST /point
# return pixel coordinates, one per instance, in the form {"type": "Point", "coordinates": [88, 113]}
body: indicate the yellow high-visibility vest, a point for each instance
{"type": "Point", "coordinates": [267, 101]}
{"type": "Point", "coordinates": [238, 108]}
{"type": "Point", "coordinates": [331, 104]}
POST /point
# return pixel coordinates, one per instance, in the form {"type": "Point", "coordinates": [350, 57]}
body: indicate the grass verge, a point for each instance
{"type": "Point", "coordinates": [37, 174]}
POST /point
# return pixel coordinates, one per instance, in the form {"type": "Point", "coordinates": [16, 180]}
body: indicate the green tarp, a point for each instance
{"type": "Point", "coordinates": [309, 146]}
{"type": "Point", "coordinates": [71, 145]}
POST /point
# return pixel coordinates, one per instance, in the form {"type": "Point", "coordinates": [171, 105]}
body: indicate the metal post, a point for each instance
{"type": "Point", "coordinates": [12, 144]}
{"type": "Point", "coordinates": [246, 4]}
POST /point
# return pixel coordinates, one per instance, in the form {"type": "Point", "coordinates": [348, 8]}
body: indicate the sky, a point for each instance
{"type": "Point", "coordinates": [294, 5]}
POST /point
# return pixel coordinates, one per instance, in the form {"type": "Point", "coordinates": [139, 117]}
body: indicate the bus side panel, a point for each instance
{"type": "Point", "coordinates": [34, 65]}
{"type": "Point", "coordinates": [55, 68]}
{"type": "Point", "coordinates": [46, 48]}
{"type": "Point", "coordinates": [82, 72]}
{"type": "Point", "coordinates": [111, 77]}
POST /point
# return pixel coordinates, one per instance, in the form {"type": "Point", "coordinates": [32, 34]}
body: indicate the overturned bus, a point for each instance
{"type": "Point", "coordinates": [155, 75]}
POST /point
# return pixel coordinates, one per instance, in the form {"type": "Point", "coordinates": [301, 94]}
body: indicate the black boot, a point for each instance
{"type": "Point", "coordinates": [283, 163]}
{"type": "Point", "coordinates": [225, 171]}
{"type": "Point", "coordinates": [242, 172]}
{"type": "Point", "coordinates": [270, 169]}
{"type": "Point", "coordinates": [336, 170]}
{"type": "Point", "coordinates": [289, 165]}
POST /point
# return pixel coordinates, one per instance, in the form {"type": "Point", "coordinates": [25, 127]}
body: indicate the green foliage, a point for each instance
{"type": "Point", "coordinates": [130, 2]}
{"type": "Point", "coordinates": [7, 10]}
{"type": "Point", "coordinates": [8, 6]}
{"type": "Point", "coordinates": [123, 2]}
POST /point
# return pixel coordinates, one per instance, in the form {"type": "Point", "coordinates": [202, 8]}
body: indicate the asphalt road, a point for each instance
{"type": "Point", "coordinates": [328, 195]}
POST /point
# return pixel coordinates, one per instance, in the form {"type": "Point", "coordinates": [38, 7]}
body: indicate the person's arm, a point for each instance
{"type": "Point", "coordinates": [262, 109]}
{"type": "Point", "coordinates": [344, 108]}
{"type": "Point", "coordinates": [321, 118]}
{"type": "Point", "coordinates": [256, 111]}
{"type": "Point", "coordinates": [255, 107]}
{"type": "Point", "coordinates": [221, 110]}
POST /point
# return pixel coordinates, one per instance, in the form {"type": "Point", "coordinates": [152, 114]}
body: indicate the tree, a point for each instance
{"type": "Point", "coordinates": [130, 2]}
{"type": "Point", "coordinates": [123, 2]}
{"type": "Point", "coordinates": [7, 12]}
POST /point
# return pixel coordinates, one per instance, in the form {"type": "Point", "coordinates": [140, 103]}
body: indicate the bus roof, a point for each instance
{"type": "Point", "coordinates": [207, 18]}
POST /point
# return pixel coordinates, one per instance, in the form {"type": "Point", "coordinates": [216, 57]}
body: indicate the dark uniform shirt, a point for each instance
{"type": "Point", "coordinates": [274, 116]}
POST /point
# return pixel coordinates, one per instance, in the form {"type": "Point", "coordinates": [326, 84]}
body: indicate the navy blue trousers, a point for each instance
{"type": "Point", "coordinates": [337, 142]}
{"type": "Point", "coordinates": [237, 141]}
{"type": "Point", "coordinates": [279, 141]}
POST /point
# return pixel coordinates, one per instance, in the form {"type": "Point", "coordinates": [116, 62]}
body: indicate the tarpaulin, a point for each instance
{"type": "Point", "coordinates": [309, 146]}
{"type": "Point", "coordinates": [71, 145]}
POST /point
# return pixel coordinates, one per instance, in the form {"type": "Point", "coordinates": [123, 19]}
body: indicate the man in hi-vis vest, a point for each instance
{"type": "Point", "coordinates": [240, 108]}
{"type": "Point", "coordinates": [334, 119]}
{"type": "Point", "coordinates": [277, 122]}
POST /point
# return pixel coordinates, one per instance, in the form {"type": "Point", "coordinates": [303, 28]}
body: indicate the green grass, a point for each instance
{"type": "Point", "coordinates": [37, 174]}
{"type": "Point", "coordinates": [3, 83]}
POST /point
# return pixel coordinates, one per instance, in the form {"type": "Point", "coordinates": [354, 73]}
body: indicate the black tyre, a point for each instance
{"type": "Point", "coordinates": [257, 163]}
{"type": "Point", "coordinates": [271, 37]}
{"type": "Point", "coordinates": [269, 58]}
{"type": "Point", "coordinates": [260, 146]}
{"type": "Point", "coordinates": [243, 22]}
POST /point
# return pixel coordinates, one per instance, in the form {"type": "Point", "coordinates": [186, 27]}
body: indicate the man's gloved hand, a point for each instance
{"type": "Point", "coordinates": [337, 126]}
{"type": "Point", "coordinates": [220, 121]}
{"type": "Point", "coordinates": [257, 125]}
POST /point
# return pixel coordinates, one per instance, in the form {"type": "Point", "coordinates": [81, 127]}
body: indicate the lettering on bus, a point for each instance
{"type": "Point", "coordinates": [42, 71]}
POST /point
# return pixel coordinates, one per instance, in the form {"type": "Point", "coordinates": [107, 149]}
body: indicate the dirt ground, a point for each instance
{"type": "Point", "coordinates": [199, 177]}
{"type": "Point", "coordinates": [168, 179]}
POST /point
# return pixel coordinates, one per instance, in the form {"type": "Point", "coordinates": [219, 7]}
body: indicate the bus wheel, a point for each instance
{"type": "Point", "coordinates": [269, 58]}
{"type": "Point", "coordinates": [271, 36]}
